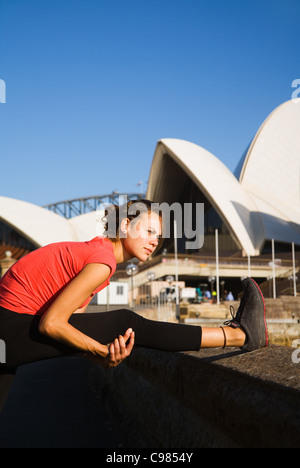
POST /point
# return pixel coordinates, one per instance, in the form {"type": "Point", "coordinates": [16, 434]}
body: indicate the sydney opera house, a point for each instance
{"type": "Point", "coordinates": [258, 203]}
{"type": "Point", "coordinates": [252, 207]}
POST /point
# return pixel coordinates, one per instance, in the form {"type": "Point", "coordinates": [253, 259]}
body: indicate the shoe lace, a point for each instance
{"type": "Point", "coordinates": [235, 316]}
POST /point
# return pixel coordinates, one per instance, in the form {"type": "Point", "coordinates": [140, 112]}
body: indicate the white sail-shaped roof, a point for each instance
{"type": "Point", "coordinates": [43, 227]}
{"type": "Point", "coordinates": [217, 183]}
{"type": "Point", "coordinates": [37, 224]}
{"type": "Point", "coordinates": [271, 172]}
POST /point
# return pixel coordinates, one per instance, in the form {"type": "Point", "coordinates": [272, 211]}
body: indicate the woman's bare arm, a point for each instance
{"type": "Point", "coordinates": [54, 322]}
{"type": "Point", "coordinates": [81, 310]}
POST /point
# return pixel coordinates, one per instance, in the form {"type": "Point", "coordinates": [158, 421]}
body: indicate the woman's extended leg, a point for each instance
{"type": "Point", "coordinates": [107, 326]}
{"type": "Point", "coordinates": [157, 335]}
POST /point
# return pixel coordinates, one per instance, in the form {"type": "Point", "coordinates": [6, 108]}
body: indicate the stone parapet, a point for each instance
{"type": "Point", "coordinates": [213, 398]}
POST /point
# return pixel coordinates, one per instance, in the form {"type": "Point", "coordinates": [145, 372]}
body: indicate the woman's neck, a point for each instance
{"type": "Point", "coordinates": [120, 252]}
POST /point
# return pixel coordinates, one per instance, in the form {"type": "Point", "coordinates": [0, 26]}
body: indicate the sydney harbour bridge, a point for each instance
{"type": "Point", "coordinates": [79, 206]}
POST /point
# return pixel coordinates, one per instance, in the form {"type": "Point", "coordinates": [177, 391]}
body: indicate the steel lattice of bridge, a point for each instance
{"type": "Point", "coordinates": [79, 206]}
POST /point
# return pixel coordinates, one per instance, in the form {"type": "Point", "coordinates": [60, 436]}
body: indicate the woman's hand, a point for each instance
{"type": "Point", "coordinates": [118, 351]}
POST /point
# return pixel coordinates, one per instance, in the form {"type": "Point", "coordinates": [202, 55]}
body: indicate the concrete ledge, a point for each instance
{"type": "Point", "coordinates": [214, 398]}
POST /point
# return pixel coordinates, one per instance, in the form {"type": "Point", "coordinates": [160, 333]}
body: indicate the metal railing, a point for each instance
{"type": "Point", "coordinates": [78, 206]}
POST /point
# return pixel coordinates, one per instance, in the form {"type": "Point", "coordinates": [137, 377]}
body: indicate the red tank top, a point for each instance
{"type": "Point", "coordinates": [33, 283]}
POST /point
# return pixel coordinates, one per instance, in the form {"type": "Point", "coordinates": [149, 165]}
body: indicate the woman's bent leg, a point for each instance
{"type": "Point", "coordinates": [24, 343]}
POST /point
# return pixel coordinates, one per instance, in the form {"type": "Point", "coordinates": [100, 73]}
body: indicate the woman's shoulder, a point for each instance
{"type": "Point", "coordinates": [101, 248]}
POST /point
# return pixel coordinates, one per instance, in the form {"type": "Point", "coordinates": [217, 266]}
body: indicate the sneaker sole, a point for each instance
{"type": "Point", "coordinates": [265, 321]}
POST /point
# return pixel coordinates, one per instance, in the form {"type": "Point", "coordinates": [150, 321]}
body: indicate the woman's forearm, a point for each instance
{"type": "Point", "coordinates": [67, 334]}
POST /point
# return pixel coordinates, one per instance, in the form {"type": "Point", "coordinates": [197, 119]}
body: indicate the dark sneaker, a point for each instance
{"type": "Point", "coordinates": [251, 317]}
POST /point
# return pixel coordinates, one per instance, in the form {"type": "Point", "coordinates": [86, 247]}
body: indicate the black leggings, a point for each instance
{"type": "Point", "coordinates": [25, 344]}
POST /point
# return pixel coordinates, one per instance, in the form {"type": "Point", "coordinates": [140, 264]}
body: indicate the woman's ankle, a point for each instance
{"type": "Point", "coordinates": [217, 337]}
{"type": "Point", "coordinates": [235, 337]}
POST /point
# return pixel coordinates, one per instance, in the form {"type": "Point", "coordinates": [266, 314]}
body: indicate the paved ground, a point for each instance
{"type": "Point", "coordinates": [51, 405]}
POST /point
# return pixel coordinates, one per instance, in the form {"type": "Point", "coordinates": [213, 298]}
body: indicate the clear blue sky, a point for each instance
{"type": "Point", "coordinates": [92, 85]}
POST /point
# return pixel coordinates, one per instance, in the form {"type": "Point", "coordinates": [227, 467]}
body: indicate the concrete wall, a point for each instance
{"type": "Point", "coordinates": [214, 398]}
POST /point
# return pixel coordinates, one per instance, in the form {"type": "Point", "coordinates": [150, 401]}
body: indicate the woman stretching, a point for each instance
{"type": "Point", "coordinates": [40, 294]}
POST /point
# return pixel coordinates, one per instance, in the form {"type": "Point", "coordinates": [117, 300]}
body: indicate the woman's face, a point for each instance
{"type": "Point", "coordinates": [142, 235]}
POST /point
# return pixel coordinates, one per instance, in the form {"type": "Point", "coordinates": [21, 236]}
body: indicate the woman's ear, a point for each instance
{"type": "Point", "coordinates": [124, 227]}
